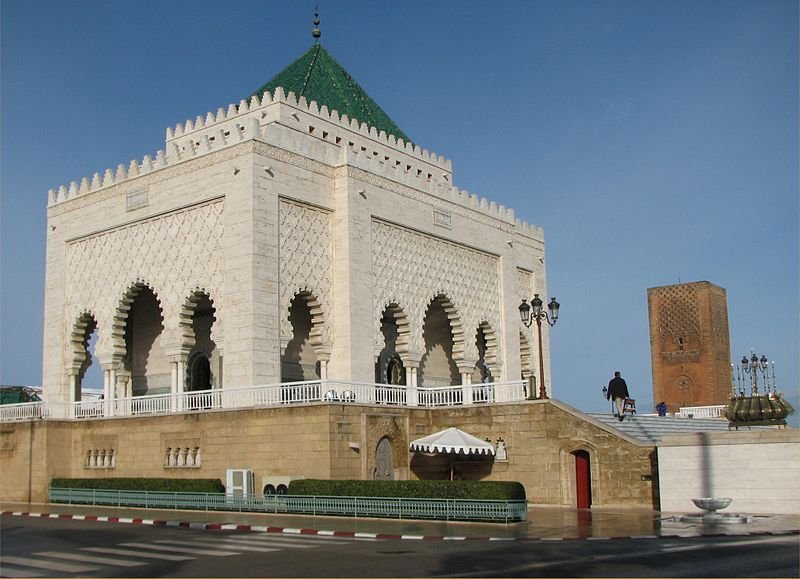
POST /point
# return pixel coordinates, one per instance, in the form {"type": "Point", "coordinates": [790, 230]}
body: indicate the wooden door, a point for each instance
{"type": "Point", "coordinates": [583, 479]}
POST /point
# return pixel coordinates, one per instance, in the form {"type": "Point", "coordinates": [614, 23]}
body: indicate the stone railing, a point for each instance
{"type": "Point", "coordinates": [320, 391]}
{"type": "Point", "coordinates": [717, 411]}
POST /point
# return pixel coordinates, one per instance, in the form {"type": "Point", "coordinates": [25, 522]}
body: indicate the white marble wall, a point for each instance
{"type": "Point", "coordinates": [759, 470]}
{"type": "Point", "coordinates": [258, 202]}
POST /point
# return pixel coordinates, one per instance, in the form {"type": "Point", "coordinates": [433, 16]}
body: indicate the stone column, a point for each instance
{"type": "Point", "coordinates": [412, 390]}
{"type": "Point", "coordinates": [178, 358]}
{"type": "Point", "coordinates": [466, 381]}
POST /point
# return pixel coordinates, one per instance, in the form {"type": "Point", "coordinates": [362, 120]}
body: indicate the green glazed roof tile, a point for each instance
{"type": "Point", "coordinates": [318, 77]}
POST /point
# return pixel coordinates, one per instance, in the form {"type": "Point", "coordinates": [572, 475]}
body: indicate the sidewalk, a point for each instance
{"type": "Point", "coordinates": [544, 523]}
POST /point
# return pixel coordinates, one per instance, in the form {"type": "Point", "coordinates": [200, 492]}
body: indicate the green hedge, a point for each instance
{"type": "Point", "coordinates": [197, 485]}
{"type": "Point", "coordinates": [427, 489]}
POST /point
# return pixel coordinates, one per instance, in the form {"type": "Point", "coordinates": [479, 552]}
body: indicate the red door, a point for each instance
{"type": "Point", "coordinates": [583, 479]}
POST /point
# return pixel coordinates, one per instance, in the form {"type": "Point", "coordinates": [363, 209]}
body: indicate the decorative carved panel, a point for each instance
{"type": "Point", "coordinates": [305, 261]}
{"type": "Point", "coordinates": [410, 269]}
{"type": "Point", "coordinates": [173, 253]}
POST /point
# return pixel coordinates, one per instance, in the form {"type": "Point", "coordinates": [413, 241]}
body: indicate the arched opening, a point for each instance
{"type": "Point", "coordinates": [199, 372]}
{"type": "Point", "coordinates": [482, 372]}
{"type": "Point", "coordinates": [299, 361]}
{"type": "Point", "coordinates": [437, 367]}
{"type": "Point", "coordinates": [148, 365]}
{"type": "Point", "coordinates": [389, 367]}
{"type": "Point", "coordinates": [89, 378]}
{"type": "Point", "coordinates": [203, 356]}
{"type": "Point", "coordinates": [384, 463]}
{"type": "Point", "coordinates": [583, 479]}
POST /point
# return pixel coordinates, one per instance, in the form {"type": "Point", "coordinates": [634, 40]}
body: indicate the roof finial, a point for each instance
{"type": "Point", "coordinates": [316, 33]}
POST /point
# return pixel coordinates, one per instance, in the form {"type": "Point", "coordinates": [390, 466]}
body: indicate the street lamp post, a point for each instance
{"type": "Point", "coordinates": [539, 315]}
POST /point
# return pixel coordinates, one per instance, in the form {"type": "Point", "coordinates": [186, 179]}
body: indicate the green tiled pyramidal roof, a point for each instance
{"type": "Point", "coordinates": [318, 77]}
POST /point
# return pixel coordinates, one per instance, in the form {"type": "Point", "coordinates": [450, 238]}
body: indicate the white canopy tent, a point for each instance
{"type": "Point", "coordinates": [453, 441]}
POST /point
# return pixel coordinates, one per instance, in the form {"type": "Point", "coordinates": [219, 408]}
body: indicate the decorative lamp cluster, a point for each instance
{"type": "Point", "coordinates": [538, 316]}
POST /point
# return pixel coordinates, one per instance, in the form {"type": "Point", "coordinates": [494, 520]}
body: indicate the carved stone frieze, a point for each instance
{"type": "Point", "coordinates": [392, 427]}
{"type": "Point", "coordinates": [411, 269]}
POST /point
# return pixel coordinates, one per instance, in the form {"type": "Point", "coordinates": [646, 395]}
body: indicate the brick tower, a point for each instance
{"type": "Point", "coordinates": [689, 344]}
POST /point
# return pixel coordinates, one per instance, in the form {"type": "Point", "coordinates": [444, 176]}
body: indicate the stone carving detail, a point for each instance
{"type": "Point", "coordinates": [100, 458]}
{"type": "Point", "coordinates": [392, 428]}
{"type": "Point", "coordinates": [524, 284]}
{"type": "Point", "coordinates": [306, 264]}
{"type": "Point", "coordinates": [410, 269]}
{"type": "Point", "coordinates": [172, 253]}
{"type": "Point", "coordinates": [677, 313]}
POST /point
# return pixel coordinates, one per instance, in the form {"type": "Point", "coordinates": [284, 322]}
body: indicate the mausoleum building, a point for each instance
{"type": "Point", "coordinates": [297, 235]}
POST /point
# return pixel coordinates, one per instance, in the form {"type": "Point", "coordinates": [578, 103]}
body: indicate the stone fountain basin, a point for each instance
{"type": "Point", "coordinates": [712, 504]}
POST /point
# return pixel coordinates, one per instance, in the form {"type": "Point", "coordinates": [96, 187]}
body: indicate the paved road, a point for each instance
{"type": "Point", "coordinates": [68, 548]}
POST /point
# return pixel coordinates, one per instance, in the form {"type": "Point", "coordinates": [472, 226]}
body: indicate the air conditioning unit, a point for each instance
{"type": "Point", "coordinates": [240, 482]}
{"type": "Point", "coordinates": [277, 484]}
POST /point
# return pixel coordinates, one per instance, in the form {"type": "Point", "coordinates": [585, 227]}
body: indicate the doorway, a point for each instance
{"type": "Point", "coordinates": [583, 479]}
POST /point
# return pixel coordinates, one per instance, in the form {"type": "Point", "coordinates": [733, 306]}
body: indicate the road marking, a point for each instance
{"type": "Point", "coordinates": [212, 553]}
{"type": "Point", "coordinates": [139, 554]}
{"type": "Point", "coordinates": [50, 565]}
{"type": "Point", "coordinates": [310, 539]}
{"type": "Point", "coordinates": [223, 544]}
{"type": "Point", "coordinates": [89, 559]}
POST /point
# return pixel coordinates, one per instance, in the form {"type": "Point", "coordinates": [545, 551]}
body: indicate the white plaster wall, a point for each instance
{"type": "Point", "coordinates": [758, 470]}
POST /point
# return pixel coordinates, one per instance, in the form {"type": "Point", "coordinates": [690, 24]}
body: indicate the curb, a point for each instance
{"type": "Point", "coordinates": [251, 528]}
{"type": "Point", "coordinates": [373, 536]}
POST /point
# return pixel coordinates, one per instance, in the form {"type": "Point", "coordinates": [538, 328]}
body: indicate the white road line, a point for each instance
{"type": "Point", "coordinates": [59, 566]}
{"type": "Point", "coordinates": [89, 559]}
{"type": "Point", "coordinates": [212, 553]}
{"type": "Point", "coordinates": [287, 542]}
{"type": "Point", "coordinates": [138, 554]}
{"type": "Point", "coordinates": [221, 544]}
{"type": "Point", "coordinates": [6, 572]}
{"type": "Point", "coordinates": [310, 539]}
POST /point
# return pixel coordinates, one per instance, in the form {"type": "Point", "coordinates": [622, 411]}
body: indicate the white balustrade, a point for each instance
{"type": "Point", "coordinates": [318, 391]}
{"type": "Point", "coordinates": [717, 411]}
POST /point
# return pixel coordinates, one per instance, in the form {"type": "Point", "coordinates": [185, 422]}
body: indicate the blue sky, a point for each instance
{"type": "Point", "coordinates": [654, 141]}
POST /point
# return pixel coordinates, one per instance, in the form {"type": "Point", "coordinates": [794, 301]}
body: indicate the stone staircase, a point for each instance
{"type": "Point", "coordinates": [651, 429]}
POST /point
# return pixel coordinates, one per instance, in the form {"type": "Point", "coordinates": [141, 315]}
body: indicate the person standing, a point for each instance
{"type": "Point", "coordinates": [618, 392]}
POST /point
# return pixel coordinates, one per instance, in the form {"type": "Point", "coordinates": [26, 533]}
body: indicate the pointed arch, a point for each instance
{"type": "Point", "coordinates": [80, 356]}
{"type": "Point", "coordinates": [137, 352]}
{"type": "Point", "coordinates": [316, 333]}
{"type": "Point", "coordinates": [305, 352]}
{"type": "Point", "coordinates": [197, 298]}
{"type": "Point", "coordinates": [400, 318]}
{"type": "Point", "coordinates": [395, 331]}
{"type": "Point", "coordinates": [456, 325]}
{"type": "Point", "coordinates": [120, 320]}
{"type": "Point", "coordinates": [443, 336]}
{"type": "Point", "coordinates": [486, 343]}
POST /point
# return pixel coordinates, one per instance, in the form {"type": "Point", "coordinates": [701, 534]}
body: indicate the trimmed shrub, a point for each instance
{"type": "Point", "coordinates": [418, 489]}
{"type": "Point", "coordinates": [175, 485]}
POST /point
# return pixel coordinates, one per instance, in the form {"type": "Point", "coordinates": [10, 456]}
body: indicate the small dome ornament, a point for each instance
{"type": "Point", "coordinates": [316, 33]}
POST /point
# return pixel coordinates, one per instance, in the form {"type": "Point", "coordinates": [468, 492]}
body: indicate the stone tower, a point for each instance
{"type": "Point", "coordinates": [689, 344]}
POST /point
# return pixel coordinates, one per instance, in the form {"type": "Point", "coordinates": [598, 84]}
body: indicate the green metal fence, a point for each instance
{"type": "Point", "coordinates": [388, 507]}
